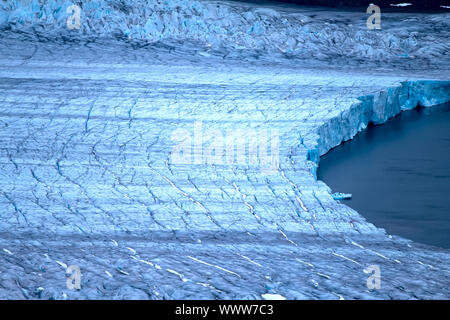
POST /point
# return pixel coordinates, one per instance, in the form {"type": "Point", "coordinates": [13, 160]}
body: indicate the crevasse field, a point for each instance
{"type": "Point", "coordinates": [90, 117]}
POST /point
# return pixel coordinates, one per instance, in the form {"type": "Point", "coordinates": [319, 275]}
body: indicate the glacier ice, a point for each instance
{"type": "Point", "coordinates": [341, 196]}
{"type": "Point", "coordinates": [86, 120]}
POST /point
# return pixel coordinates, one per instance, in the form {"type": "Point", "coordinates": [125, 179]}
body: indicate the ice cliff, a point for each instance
{"type": "Point", "coordinates": [377, 108]}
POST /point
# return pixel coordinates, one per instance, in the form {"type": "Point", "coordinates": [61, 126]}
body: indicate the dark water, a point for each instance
{"type": "Point", "coordinates": [399, 174]}
{"type": "Point", "coordinates": [385, 5]}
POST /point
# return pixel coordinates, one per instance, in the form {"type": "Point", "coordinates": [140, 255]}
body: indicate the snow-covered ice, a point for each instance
{"type": "Point", "coordinates": [86, 120]}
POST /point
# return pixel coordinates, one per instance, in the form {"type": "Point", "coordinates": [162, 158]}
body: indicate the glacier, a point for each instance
{"type": "Point", "coordinates": [86, 119]}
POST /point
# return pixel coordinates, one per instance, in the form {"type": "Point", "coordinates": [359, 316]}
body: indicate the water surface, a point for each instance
{"type": "Point", "coordinates": [399, 174]}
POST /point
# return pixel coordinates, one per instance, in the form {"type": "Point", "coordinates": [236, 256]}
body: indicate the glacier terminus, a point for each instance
{"type": "Point", "coordinates": [104, 166]}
